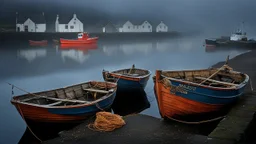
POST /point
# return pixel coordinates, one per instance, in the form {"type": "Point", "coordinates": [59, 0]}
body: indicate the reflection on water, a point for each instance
{"type": "Point", "coordinates": [78, 56]}
{"type": "Point", "coordinates": [54, 67]}
{"type": "Point", "coordinates": [32, 54]}
{"type": "Point", "coordinates": [130, 102]}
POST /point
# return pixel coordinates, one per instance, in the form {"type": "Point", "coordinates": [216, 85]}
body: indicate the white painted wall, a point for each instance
{"type": "Point", "coordinates": [162, 27]}
{"type": "Point", "coordinates": [40, 27]}
{"type": "Point", "coordinates": [20, 26]}
{"type": "Point", "coordinates": [32, 27]}
{"type": "Point", "coordinates": [146, 27]}
{"type": "Point", "coordinates": [129, 27]}
{"type": "Point", "coordinates": [74, 25]}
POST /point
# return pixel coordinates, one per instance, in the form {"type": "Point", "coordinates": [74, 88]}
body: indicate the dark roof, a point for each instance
{"type": "Point", "coordinates": [36, 18]}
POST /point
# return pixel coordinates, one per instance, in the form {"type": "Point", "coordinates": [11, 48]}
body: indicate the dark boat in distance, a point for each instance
{"type": "Point", "coordinates": [237, 39]}
{"type": "Point", "coordinates": [66, 105]}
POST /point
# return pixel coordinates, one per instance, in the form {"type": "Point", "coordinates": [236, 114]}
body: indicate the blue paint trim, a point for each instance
{"type": "Point", "coordinates": [124, 84]}
{"type": "Point", "coordinates": [106, 103]}
{"type": "Point", "coordinates": [210, 96]}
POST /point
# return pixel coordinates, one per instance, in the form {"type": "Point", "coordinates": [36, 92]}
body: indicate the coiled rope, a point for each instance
{"type": "Point", "coordinates": [106, 121]}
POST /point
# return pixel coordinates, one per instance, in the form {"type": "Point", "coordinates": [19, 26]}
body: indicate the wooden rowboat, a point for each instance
{"type": "Point", "coordinates": [128, 79]}
{"type": "Point", "coordinates": [70, 104]}
{"type": "Point", "coordinates": [195, 92]}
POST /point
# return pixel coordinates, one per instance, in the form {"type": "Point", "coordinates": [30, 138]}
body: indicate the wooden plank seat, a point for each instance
{"type": "Point", "coordinates": [216, 81]}
{"type": "Point", "coordinates": [53, 104]}
{"type": "Point", "coordinates": [97, 91]}
{"type": "Point", "coordinates": [56, 99]}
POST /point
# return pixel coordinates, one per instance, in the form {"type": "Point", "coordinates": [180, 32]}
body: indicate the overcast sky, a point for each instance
{"type": "Point", "coordinates": [180, 14]}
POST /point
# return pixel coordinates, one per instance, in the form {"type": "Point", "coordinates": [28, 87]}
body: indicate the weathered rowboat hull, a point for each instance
{"type": "Point", "coordinates": [125, 82]}
{"type": "Point", "coordinates": [178, 98]}
{"type": "Point", "coordinates": [64, 114]}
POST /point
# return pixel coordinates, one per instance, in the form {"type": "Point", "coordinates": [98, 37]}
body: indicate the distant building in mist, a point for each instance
{"type": "Point", "coordinates": [132, 27]}
{"type": "Point", "coordinates": [162, 27]}
{"type": "Point", "coordinates": [68, 25]}
{"type": "Point", "coordinates": [109, 28]}
{"type": "Point", "coordinates": [35, 23]}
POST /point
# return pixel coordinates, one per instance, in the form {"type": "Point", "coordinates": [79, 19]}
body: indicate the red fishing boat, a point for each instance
{"type": "Point", "coordinates": [83, 38]}
{"type": "Point", "coordinates": [38, 43]}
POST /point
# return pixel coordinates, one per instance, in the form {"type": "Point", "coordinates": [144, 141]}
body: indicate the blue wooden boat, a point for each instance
{"type": "Point", "coordinates": [70, 104]}
{"type": "Point", "coordinates": [128, 79]}
{"type": "Point", "coordinates": [194, 92]}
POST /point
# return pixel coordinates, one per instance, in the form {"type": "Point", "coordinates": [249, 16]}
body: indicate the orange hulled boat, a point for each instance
{"type": "Point", "coordinates": [83, 38]}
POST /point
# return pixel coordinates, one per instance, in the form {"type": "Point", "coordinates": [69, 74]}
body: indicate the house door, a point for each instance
{"type": "Point", "coordinates": [18, 29]}
{"type": "Point", "coordinates": [26, 28]}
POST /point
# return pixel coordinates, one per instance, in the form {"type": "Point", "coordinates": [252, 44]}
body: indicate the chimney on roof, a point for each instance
{"type": "Point", "coordinates": [74, 15]}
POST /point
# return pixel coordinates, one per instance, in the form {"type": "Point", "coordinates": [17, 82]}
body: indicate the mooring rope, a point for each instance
{"type": "Point", "coordinates": [199, 122]}
{"type": "Point", "coordinates": [21, 113]}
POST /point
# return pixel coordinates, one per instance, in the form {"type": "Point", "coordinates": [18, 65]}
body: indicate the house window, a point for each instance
{"type": "Point", "coordinates": [71, 27]}
{"type": "Point", "coordinates": [66, 26]}
{"type": "Point", "coordinates": [128, 27]}
{"type": "Point", "coordinates": [142, 26]}
{"type": "Point", "coordinates": [74, 22]}
{"type": "Point", "coordinates": [149, 27]}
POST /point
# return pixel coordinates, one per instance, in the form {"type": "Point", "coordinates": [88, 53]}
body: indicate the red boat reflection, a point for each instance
{"type": "Point", "coordinates": [80, 47]}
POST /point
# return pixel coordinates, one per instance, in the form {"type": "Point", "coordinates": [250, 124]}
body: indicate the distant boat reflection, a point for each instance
{"type": "Point", "coordinates": [76, 52]}
{"type": "Point", "coordinates": [143, 48]}
{"type": "Point", "coordinates": [130, 102]}
{"type": "Point", "coordinates": [31, 54]}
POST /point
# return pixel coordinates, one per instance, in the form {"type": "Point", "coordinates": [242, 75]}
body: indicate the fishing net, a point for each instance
{"type": "Point", "coordinates": [106, 121]}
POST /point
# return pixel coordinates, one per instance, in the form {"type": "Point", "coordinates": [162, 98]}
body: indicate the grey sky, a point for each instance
{"type": "Point", "coordinates": [204, 14]}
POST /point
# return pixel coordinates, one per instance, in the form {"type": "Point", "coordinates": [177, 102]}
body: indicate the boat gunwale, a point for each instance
{"type": "Point", "coordinates": [15, 100]}
{"type": "Point", "coordinates": [242, 84]}
{"type": "Point", "coordinates": [138, 77]}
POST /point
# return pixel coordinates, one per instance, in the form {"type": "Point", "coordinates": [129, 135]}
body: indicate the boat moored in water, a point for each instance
{"type": "Point", "coordinates": [83, 38]}
{"type": "Point", "coordinates": [128, 79]}
{"type": "Point", "coordinates": [70, 104]}
{"type": "Point", "coordinates": [38, 43]}
{"type": "Point", "coordinates": [194, 92]}
{"type": "Point", "coordinates": [237, 39]}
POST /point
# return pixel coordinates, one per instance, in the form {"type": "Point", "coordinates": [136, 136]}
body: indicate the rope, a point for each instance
{"type": "Point", "coordinates": [251, 85]}
{"type": "Point", "coordinates": [106, 121]}
{"type": "Point", "coordinates": [199, 122]}
{"type": "Point", "coordinates": [24, 117]}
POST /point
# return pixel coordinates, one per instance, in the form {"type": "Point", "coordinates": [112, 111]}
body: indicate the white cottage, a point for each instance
{"type": "Point", "coordinates": [130, 27]}
{"type": "Point", "coordinates": [161, 27]}
{"type": "Point", "coordinates": [71, 25]}
{"type": "Point", "coordinates": [34, 23]}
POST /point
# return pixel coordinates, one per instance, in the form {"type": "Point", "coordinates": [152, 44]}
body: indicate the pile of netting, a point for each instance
{"type": "Point", "coordinates": [106, 121]}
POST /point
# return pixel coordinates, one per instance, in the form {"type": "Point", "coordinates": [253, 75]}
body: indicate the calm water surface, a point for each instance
{"type": "Point", "coordinates": [38, 69]}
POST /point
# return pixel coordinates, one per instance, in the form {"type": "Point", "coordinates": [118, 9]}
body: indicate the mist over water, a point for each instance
{"type": "Point", "coordinates": [44, 68]}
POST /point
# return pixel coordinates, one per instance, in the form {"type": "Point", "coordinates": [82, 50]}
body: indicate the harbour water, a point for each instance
{"type": "Point", "coordinates": [41, 68]}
